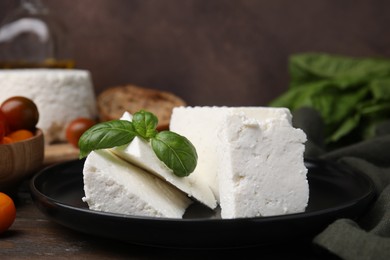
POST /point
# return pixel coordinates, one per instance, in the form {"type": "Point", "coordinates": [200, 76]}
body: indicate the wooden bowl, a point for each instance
{"type": "Point", "coordinates": [19, 160]}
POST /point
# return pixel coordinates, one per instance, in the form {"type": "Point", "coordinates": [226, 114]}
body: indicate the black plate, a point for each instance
{"type": "Point", "coordinates": [334, 193]}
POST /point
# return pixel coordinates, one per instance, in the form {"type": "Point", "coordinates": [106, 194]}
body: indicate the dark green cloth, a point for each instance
{"type": "Point", "coordinates": [368, 237]}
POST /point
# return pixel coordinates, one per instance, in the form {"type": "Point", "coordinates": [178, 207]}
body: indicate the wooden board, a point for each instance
{"type": "Point", "coordinates": [62, 152]}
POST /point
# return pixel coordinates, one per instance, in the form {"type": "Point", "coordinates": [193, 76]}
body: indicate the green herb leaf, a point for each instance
{"type": "Point", "coordinates": [339, 88]}
{"type": "Point", "coordinates": [106, 135]}
{"type": "Point", "coordinates": [176, 151]}
{"type": "Point", "coordinates": [145, 123]}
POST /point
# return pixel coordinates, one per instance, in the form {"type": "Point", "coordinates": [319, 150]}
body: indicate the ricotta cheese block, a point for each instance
{"type": "Point", "coordinates": [61, 96]}
{"type": "Point", "coordinates": [252, 157]}
{"type": "Point", "coordinates": [140, 153]}
{"type": "Point", "coordinates": [113, 185]}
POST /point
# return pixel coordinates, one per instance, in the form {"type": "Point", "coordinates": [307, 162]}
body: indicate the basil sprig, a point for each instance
{"type": "Point", "coordinates": [174, 150]}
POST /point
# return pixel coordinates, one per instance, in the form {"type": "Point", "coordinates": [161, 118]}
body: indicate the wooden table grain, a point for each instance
{"type": "Point", "coordinates": [33, 236]}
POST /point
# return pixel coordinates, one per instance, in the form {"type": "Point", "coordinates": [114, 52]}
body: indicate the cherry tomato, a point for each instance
{"type": "Point", "coordinates": [20, 135]}
{"type": "Point", "coordinates": [20, 113]}
{"type": "Point", "coordinates": [2, 130]}
{"type": "Point", "coordinates": [7, 212]}
{"type": "Point", "coordinates": [3, 125]}
{"type": "Point", "coordinates": [6, 140]}
{"type": "Point", "coordinates": [76, 128]}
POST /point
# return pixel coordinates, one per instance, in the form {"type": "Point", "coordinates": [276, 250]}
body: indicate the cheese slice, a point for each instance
{"type": "Point", "coordinates": [113, 185]}
{"type": "Point", "coordinates": [261, 168]}
{"type": "Point", "coordinates": [140, 153]}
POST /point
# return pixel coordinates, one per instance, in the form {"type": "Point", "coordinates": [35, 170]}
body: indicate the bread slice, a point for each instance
{"type": "Point", "coordinates": [114, 101]}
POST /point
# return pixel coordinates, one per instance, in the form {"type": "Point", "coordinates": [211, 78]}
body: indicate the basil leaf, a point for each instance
{"type": "Point", "coordinates": [145, 123]}
{"type": "Point", "coordinates": [176, 151]}
{"type": "Point", "coordinates": [106, 135]}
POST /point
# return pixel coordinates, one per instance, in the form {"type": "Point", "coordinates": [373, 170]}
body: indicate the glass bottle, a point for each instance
{"type": "Point", "coordinates": [30, 37]}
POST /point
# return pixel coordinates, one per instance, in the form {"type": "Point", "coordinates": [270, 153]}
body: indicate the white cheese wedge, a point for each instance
{"type": "Point", "coordinates": [113, 185]}
{"type": "Point", "coordinates": [61, 96]}
{"type": "Point", "coordinates": [261, 168]}
{"type": "Point", "coordinates": [252, 157]}
{"type": "Point", "coordinates": [140, 153]}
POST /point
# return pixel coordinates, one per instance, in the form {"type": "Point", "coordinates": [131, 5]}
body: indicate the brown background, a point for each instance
{"type": "Point", "coordinates": [217, 52]}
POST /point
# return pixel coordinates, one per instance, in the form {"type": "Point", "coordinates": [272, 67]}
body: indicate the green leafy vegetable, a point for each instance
{"type": "Point", "coordinates": [174, 150]}
{"type": "Point", "coordinates": [344, 90]}
{"type": "Point", "coordinates": [106, 135]}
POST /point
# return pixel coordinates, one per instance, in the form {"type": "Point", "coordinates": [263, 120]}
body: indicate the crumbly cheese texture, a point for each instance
{"type": "Point", "coordinates": [61, 96]}
{"type": "Point", "coordinates": [252, 158]}
{"type": "Point", "coordinates": [201, 125]}
{"type": "Point", "coordinates": [261, 167]}
{"type": "Point", "coordinates": [113, 185]}
{"type": "Point", "coordinates": [139, 152]}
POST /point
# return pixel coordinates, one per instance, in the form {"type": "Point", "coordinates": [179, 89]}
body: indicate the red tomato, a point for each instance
{"type": "Point", "coordinates": [76, 128]}
{"type": "Point", "coordinates": [3, 125]}
{"type": "Point", "coordinates": [7, 212]}
{"type": "Point", "coordinates": [1, 134]}
{"type": "Point", "coordinates": [20, 113]}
